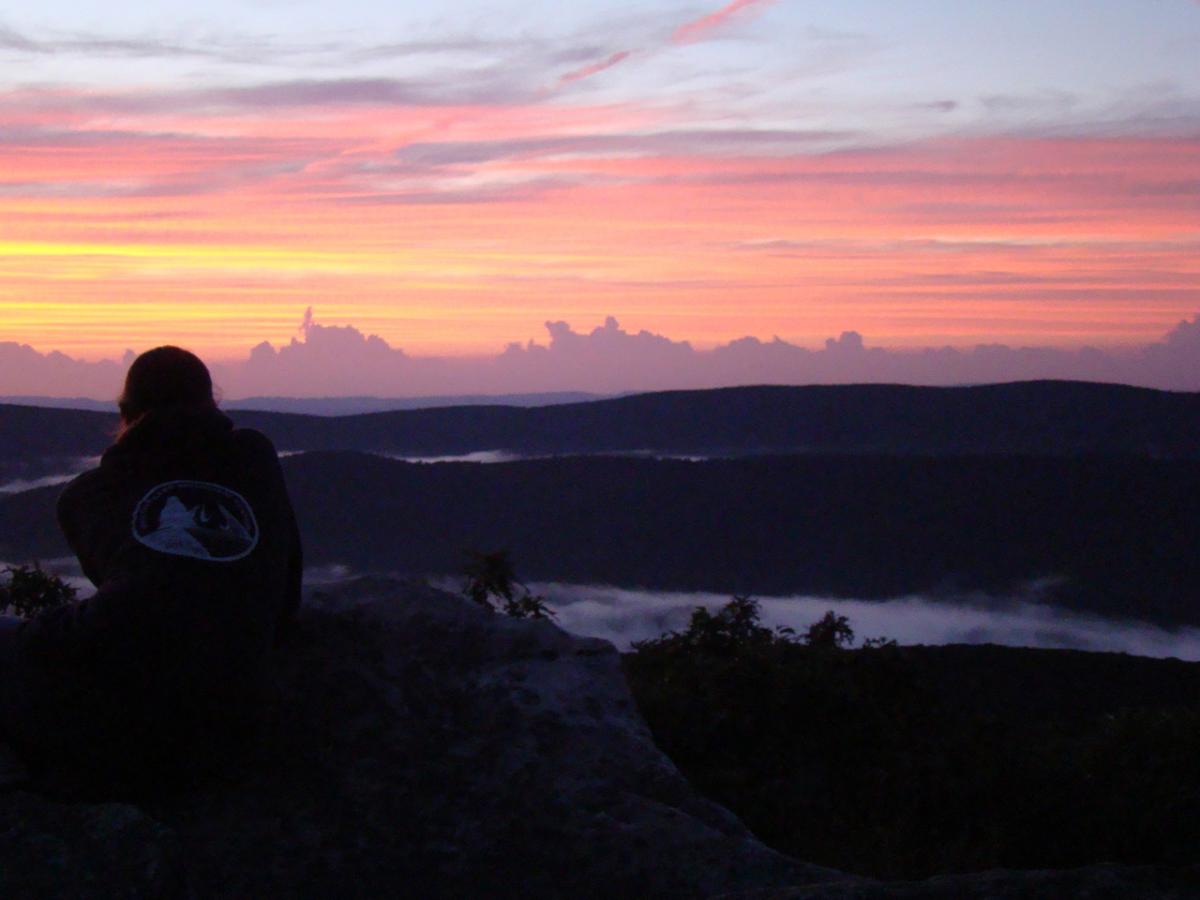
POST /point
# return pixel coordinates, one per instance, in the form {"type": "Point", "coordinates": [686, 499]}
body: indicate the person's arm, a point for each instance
{"type": "Point", "coordinates": [295, 572]}
{"type": "Point", "coordinates": [77, 519]}
{"type": "Point", "coordinates": [10, 626]}
{"type": "Point", "coordinates": [279, 513]}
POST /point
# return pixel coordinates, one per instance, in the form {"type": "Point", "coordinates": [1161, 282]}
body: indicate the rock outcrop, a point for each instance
{"type": "Point", "coordinates": [1088, 883]}
{"type": "Point", "coordinates": [420, 747]}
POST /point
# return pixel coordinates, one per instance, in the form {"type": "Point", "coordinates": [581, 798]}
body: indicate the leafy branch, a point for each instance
{"type": "Point", "coordinates": [492, 583]}
{"type": "Point", "coordinates": [31, 590]}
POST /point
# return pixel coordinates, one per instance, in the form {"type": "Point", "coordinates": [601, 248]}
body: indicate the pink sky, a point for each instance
{"type": "Point", "coordinates": [707, 174]}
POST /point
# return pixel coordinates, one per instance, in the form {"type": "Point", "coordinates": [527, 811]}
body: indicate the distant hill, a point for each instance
{"type": "Point", "coordinates": [88, 403]}
{"type": "Point", "coordinates": [347, 406]}
{"type": "Point", "coordinates": [36, 441]}
{"type": "Point", "coordinates": [1117, 535]}
{"type": "Point", "coordinates": [1049, 418]}
{"type": "Point", "coordinates": [1031, 418]}
{"type": "Point", "coordinates": [332, 406]}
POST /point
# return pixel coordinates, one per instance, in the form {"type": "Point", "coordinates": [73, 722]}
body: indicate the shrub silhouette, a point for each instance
{"type": "Point", "coordinates": [736, 627]}
{"type": "Point", "coordinates": [830, 632]}
{"type": "Point", "coordinates": [492, 583]}
{"type": "Point", "coordinates": [732, 628]}
{"type": "Point", "coordinates": [31, 590]}
{"type": "Point", "coordinates": [905, 762]}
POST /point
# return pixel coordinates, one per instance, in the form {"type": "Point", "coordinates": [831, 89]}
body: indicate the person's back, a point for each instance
{"type": "Point", "coordinates": [187, 531]}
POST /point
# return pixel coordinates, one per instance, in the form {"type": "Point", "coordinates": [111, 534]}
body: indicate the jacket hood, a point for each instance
{"type": "Point", "coordinates": [172, 430]}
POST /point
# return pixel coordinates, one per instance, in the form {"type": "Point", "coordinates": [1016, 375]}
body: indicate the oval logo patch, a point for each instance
{"type": "Point", "coordinates": [196, 519]}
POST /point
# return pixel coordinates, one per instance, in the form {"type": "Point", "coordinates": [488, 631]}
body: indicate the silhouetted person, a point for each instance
{"type": "Point", "coordinates": [187, 532]}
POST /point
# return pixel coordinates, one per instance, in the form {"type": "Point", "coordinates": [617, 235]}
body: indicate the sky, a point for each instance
{"type": "Point", "coordinates": [449, 183]}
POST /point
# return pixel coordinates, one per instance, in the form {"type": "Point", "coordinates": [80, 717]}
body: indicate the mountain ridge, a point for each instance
{"type": "Point", "coordinates": [1039, 417]}
{"type": "Point", "coordinates": [1110, 535]}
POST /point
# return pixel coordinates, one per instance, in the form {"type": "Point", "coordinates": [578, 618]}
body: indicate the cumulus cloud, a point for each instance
{"type": "Point", "coordinates": [23, 370]}
{"type": "Point", "coordinates": [608, 357]}
{"type": "Point", "coordinates": [341, 360]}
{"type": "Point", "coordinates": [1174, 360]}
{"type": "Point", "coordinates": [611, 359]}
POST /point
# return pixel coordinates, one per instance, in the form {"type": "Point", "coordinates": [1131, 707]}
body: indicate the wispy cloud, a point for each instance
{"type": "Point", "coordinates": [595, 68]}
{"type": "Point", "coordinates": [665, 142]}
{"type": "Point", "coordinates": [689, 32]}
{"type": "Point", "coordinates": [699, 29]}
{"type": "Point", "coordinates": [323, 92]}
{"type": "Point", "coordinates": [263, 49]}
{"type": "Point", "coordinates": [461, 59]}
{"type": "Point", "coordinates": [13, 40]}
{"type": "Point", "coordinates": [942, 106]}
{"type": "Point", "coordinates": [158, 46]}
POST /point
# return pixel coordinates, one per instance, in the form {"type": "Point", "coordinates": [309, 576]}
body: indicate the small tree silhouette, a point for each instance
{"type": "Point", "coordinates": [830, 632]}
{"type": "Point", "coordinates": [30, 590]}
{"type": "Point", "coordinates": [492, 583]}
{"type": "Point", "coordinates": [735, 630]}
{"type": "Point", "coordinates": [735, 625]}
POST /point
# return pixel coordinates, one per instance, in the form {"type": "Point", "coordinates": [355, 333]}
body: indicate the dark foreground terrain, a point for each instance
{"type": "Point", "coordinates": [423, 747]}
{"type": "Point", "coordinates": [420, 747]}
{"type": "Point", "coordinates": [902, 763]}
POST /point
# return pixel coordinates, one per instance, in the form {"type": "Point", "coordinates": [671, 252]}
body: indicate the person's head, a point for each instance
{"type": "Point", "coordinates": [165, 377]}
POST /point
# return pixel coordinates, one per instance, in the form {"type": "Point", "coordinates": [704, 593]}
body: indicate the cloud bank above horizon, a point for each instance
{"type": "Point", "coordinates": [341, 360]}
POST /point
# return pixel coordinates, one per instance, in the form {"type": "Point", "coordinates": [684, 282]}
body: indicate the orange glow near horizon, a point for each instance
{"type": "Point", "coordinates": [457, 230]}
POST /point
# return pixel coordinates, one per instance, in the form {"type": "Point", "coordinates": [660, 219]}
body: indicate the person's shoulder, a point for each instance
{"type": "Point", "coordinates": [82, 486]}
{"type": "Point", "coordinates": [87, 480]}
{"type": "Point", "coordinates": [255, 444]}
{"type": "Point", "coordinates": [252, 437]}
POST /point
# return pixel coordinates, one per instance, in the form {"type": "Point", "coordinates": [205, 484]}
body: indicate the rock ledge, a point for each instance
{"type": "Point", "coordinates": [420, 747]}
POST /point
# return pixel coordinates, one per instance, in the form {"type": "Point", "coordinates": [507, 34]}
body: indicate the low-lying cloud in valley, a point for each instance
{"type": "Point", "coordinates": [623, 616]}
{"type": "Point", "coordinates": [70, 469]}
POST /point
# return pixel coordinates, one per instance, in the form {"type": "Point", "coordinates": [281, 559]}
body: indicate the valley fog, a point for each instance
{"type": "Point", "coordinates": [623, 615]}
{"type": "Point", "coordinates": [61, 473]}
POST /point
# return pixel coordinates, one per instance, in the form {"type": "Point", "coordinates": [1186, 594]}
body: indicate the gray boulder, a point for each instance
{"type": "Point", "coordinates": [422, 747]}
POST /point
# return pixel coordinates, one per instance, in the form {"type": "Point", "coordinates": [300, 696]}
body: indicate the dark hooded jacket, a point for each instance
{"type": "Point", "coordinates": [187, 531]}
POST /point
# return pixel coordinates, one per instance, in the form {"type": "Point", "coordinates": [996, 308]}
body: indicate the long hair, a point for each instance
{"type": "Point", "coordinates": [164, 377]}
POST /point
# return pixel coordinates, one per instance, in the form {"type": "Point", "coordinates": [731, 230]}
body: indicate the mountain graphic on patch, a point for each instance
{"type": "Point", "coordinates": [196, 519]}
